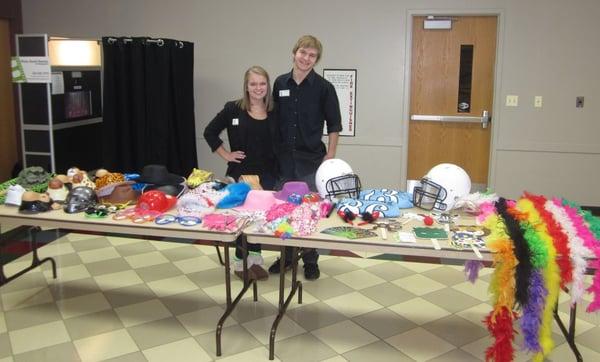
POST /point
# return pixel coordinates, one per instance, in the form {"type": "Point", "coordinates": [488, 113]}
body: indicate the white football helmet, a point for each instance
{"type": "Point", "coordinates": [335, 178]}
{"type": "Point", "coordinates": [443, 185]}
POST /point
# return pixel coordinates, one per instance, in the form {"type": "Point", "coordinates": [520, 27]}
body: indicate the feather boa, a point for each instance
{"type": "Point", "coordinates": [532, 312]}
{"type": "Point", "coordinates": [472, 202]}
{"type": "Point", "coordinates": [591, 243]}
{"type": "Point", "coordinates": [551, 279]}
{"type": "Point", "coordinates": [521, 249]}
{"type": "Point", "coordinates": [559, 239]}
{"type": "Point", "coordinates": [500, 325]}
{"type": "Point", "coordinates": [472, 268]}
{"type": "Point", "coordinates": [577, 249]}
{"type": "Point", "coordinates": [485, 210]}
{"type": "Point", "coordinates": [593, 221]}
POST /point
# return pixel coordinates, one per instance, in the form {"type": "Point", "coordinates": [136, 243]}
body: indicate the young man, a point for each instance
{"type": "Point", "coordinates": [305, 102]}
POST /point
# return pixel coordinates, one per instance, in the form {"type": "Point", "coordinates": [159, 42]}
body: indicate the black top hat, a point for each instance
{"type": "Point", "coordinates": [159, 175]}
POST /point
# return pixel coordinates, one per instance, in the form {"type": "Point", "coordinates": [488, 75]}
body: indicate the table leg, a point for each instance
{"type": "Point", "coordinates": [296, 286]}
{"type": "Point", "coordinates": [570, 334]}
{"type": "Point", "coordinates": [231, 305]}
{"type": "Point", "coordinates": [35, 262]}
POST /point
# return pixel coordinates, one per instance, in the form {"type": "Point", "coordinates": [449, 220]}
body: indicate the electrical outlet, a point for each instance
{"type": "Point", "coordinates": [512, 101]}
{"type": "Point", "coordinates": [537, 101]}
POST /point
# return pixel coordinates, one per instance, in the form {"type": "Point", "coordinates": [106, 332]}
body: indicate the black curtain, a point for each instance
{"type": "Point", "coordinates": [148, 104]}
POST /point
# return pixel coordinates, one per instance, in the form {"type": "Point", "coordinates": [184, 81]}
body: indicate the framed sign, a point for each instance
{"type": "Point", "coordinates": [344, 81]}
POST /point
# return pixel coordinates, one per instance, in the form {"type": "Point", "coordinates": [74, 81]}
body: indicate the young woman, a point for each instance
{"type": "Point", "coordinates": [252, 134]}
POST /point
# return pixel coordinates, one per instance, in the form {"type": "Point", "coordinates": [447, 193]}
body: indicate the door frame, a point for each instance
{"type": "Point", "coordinates": [410, 15]}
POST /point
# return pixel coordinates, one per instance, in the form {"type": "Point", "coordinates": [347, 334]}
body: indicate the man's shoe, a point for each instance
{"type": "Point", "coordinates": [311, 271]}
{"type": "Point", "coordinates": [274, 269]}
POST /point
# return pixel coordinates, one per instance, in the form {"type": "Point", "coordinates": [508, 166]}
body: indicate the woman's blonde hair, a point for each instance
{"type": "Point", "coordinates": [244, 102]}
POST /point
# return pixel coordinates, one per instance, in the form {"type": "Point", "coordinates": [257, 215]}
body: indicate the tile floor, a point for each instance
{"type": "Point", "coordinates": [122, 299]}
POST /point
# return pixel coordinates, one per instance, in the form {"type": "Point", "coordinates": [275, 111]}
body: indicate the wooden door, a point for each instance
{"type": "Point", "coordinates": [8, 135]}
{"type": "Point", "coordinates": [435, 73]}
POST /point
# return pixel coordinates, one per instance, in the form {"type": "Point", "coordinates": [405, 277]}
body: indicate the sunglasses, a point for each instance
{"type": "Point", "coordinates": [95, 212]}
{"type": "Point", "coordinates": [112, 208]}
{"type": "Point", "coordinates": [136, 215]}
{"type": "Point", "coordinates": [182, 220]}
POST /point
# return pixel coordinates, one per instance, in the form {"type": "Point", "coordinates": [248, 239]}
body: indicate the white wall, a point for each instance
{"type": "Point", "coordinates": [548, 48]}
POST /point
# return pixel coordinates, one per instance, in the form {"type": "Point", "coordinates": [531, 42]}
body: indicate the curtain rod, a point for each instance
{"type": "Point", "coordinates": [159, 42]}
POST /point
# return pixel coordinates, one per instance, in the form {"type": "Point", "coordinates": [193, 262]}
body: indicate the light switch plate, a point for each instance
{"type": "Point", "coordinates": [537, 101]}
{"type": "Point", "coordinates": [579, 102]}
{"type": "Point", "coordinates": [512, 101]}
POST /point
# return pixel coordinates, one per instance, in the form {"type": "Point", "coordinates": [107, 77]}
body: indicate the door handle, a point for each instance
{"type": "Point", "coordinates": [484, 119]}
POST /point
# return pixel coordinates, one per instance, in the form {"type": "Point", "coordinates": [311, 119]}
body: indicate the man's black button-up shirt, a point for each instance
{"type": "Point", "coordinates": [303, 109]}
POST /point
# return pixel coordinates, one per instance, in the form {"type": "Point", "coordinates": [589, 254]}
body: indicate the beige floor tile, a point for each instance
{"type": "Point", "coordinates": [143, 312]}
{"type": "Point", "coordinates": [390, 270]}
{"type": "Point", "coordinates": [2, 323]}
{"type": "Point", "coordinates": [26, 298]}
{"type": "Point", "coordinates": [157, 272]}
{"type": "Point", "coordinates": [91, 256]}
{"type": "Point", "coordinates": [197, 264]}
{"type": "Point", "coordinates": [118, 241]}
{"type": "Point", "coordinates": [420, 344]}
{"type": "Point", "coordinates": [335, 359]}
{"type": "Point", "coordinates": [365, 262]}
{"type": "Point", "coordinates": [451, 299]}
{"type": "Point", "coordinates": [85, 304]}
{"type": "Point", "coordinates": [108, 266]}
{"type": "Point", "coordinates": [217, 292]}
{"type": "Point", "coordinates": [456, 355]}
{"type": "Point", "coordinates": [273, 298]}
{"type": "Point", "coordinates": [235, 339]}
{"type": "Point", "coordinates": [456, 330]}
{"type": "Point", "coordinates": [182, 253]}
{"type": "Point", "coordinates": [39, 336]}
{"type": "Point", "coordinates": [419, 311]}
{"type": "Point", "coordinates": [387, 294]}
{"type": "Point", "coordinates": [478, 290]}
{"type": "Point", "coordinates": [55, 249]}
{"type": "Point", "coordinates": [335, 266]}
{"type": "Point", "coordinates": [209, 278]}
{"type": "Point", "coordinates": [170, 286]}
{"type": "Point", "coordinates": [256, 354]}
{"type": "Point", "coordinates": [161, 245]}
{"type": "Point", "coordinates": [477, 349]}
{"type": "Point", "coordinates": [204, 320]}
{"type": "Point", "coordinates": [73, 289]}
{"type": "Point", "coordinates": [359, 279]}
{"type": "Point", "coordinates": [67, 274]}
{"type": "Point", "coordinates": [185, 350]}
{"type": "Point", "coordinates": [325, 288]}
{"type": "Point", "coordinates": [146, 259]}
{"type": "Point", "coordinates": [353, 304]}
{"type": "Point", "coordinates": [260, 328]}
{"type": "Point", "coordinates": [117, 280]}
{"type": "Point", "coordinates": [315, 316]}
{"type": "Point", "coordinates": [420, 267]}
{"type": "Point", "coordinates": [447, 275]}
{"type": "Point", "coordinates": [375, 352]}
{"type": "Point", "coordinates": [94, 323]}
{"type": "Point", "coordinates": [30, 280]}
{"type": "Point", "coordinates": [418, 284]}
{"type": "Point", "coordinates": [582, 325]}
{"type": "Point", "coordinates": [156, 333]}
{"type": "Point", "coordinates": [588, 338]}
{"type": "Point", "coordinates": [27, 317]}
{"type": "Point", "coordinates": [476, 313]}
{"type": "Point", "coordinates": [106, 345]}
{"type": "Point", "coordinates": [141, 247]}
{"type": "Point", "coordinates": [91, 244]}
{"type": "Point", "coordinates": [302, 348]}
{"type": "Point", "coordinates": [5, 348]}
{"type": "Point", "coordinates": [187, 302]}
{"type": "Point", "coordinates": [7, 359]}
{"type": "Point", "coordinates": [564, 353]}
{"type": "Point", "coordinates": [58, 352]}
{"type": "Point", "coordinates": [248, 310]}
{"type": "Point", "coordinates": [344, 336]}
{"type": "Point", "coordinates": [384, 323]}
{"type": "Point", "coordinates": [79, 236]}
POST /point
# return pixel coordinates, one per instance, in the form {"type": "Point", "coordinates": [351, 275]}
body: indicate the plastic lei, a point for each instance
{"type": "Point", "coordinates": [591, 243]}
{"type": "Point", "coordinates": [559, 239]}
{"type": "Point", "coordinates": [502, 287]}
{"type": "Point", "coordinates": [577, 248]}
{"type": "Point", "coordinates": [551, 279]}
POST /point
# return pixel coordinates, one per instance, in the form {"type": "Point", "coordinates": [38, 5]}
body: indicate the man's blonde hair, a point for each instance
{"type": "Point", "coordinates": [309, 41]}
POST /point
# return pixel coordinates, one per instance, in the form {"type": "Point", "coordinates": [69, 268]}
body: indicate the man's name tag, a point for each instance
{"type": "Point", "coordinates": [284, 93]}
{"type": "Point", "coordinates": [235, 121]}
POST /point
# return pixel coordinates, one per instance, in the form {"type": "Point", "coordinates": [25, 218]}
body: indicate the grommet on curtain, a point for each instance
{"type": "Point", "coordinates": [111, 40]}
{"type": "Point", "coordinates": [160, 42]}
{"type": "Point", "coordinates": [180, 44]}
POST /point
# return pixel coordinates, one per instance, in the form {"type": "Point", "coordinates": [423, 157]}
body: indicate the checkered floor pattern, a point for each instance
{"type": "Point", "coordinates": [124, 299]}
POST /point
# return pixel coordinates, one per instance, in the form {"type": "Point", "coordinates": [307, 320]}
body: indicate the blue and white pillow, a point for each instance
{"type": "Point", "coordinates": [358, 207]}
{"type": "Point", "coordinates": [401, 199]}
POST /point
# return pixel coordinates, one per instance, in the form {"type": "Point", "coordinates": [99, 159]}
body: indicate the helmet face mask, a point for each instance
{"type": "Point", "coordinates": [335, 178]}
{"type": "Point", "coordinates": [443, 185]}
{"type": "Point", "coordinates": [347, 186]}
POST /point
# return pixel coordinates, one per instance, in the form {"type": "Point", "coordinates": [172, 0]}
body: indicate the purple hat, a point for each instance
{"type": "Point", "coordinates": [292, 187]}
{"type": "Point", "coordinates": [257, 200]}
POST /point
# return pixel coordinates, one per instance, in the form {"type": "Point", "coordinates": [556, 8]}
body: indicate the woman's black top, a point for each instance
{"type": "Point", "coordinates": [256, 138]}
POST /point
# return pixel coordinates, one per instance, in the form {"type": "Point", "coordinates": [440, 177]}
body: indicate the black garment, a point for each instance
{"type": "Point", "coordinates": [256, 138]}
{"type": "Point", "coordinates": [148, 110]}
{"type": "Point", "coordinates": [303, 109]}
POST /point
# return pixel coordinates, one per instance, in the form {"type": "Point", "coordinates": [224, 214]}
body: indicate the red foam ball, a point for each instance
{"type": "Point", "coordinates": [428, 220]}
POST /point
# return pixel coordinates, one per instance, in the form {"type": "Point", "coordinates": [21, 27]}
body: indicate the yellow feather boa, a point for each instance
{"type": "Point", "coordinates": [551, 278]}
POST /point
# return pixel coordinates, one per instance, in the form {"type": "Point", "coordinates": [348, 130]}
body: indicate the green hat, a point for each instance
{"type": "Point", "coordinates": [32, 176]}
